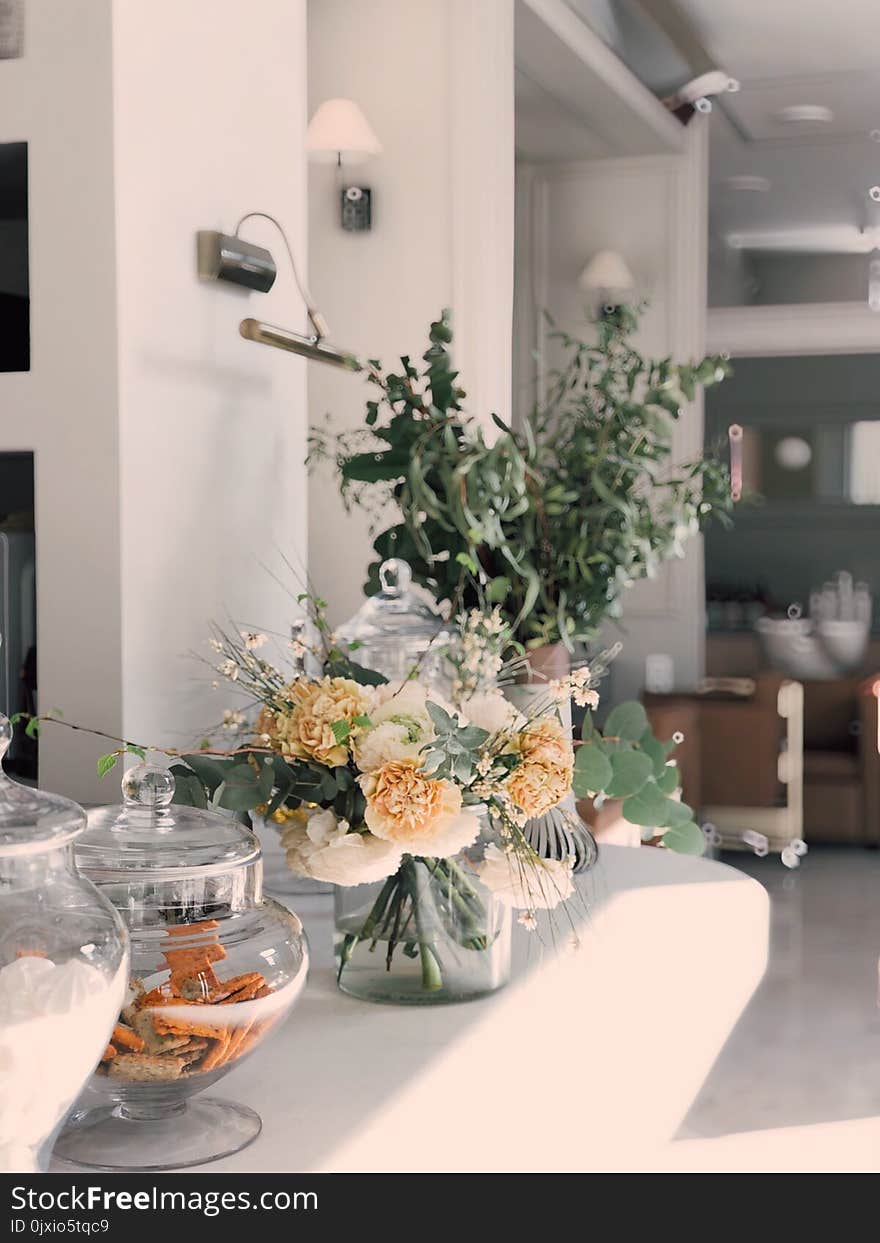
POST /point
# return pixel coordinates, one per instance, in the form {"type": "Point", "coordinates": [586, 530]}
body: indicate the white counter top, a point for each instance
{"type": "Point", "coordinates": [589, 1057]}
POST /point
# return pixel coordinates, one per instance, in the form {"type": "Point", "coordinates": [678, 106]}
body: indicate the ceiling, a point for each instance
{"type": "Point", "coordinates": [788, 53]}
{"type": "Point", "coordinates": [814, 177]}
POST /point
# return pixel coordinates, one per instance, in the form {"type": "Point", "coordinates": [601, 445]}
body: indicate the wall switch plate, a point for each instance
{"type": "Point", "coordinates": [659, 673]}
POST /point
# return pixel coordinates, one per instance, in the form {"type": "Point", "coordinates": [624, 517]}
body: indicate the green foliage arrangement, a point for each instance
{"type": "Point", "coordinates": [625, 760]}
{"type": "Point", "coordinates": [551, 522]}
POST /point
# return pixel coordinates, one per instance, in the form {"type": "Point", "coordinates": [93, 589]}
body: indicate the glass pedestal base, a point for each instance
{"type": "Point", "coordinates": [197, 1131]}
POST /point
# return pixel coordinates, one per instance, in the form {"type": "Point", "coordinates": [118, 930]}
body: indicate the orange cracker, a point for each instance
{"type": "Point", "coordinates": [186, 963]}
{"type": "Point", "coordinates": [254, 1033]}
{"type": "Point", "coordinates": [195, 1044]}
{"type": "Point", "coordinates": [161, 995]}
{"type": "Point", "coordinates": [215, 1056]}
{"type": "Point", "coordinates": [108, 1053]}
{"type": "Point", "coordinates": [127, 1039]}
{"type": "Point", "coordinates": [244, 994]}
{"type": "Point", "coordinates": [31, 953]}
{"type": "Point", "coordinates": [171, 1026]}
{"type": "Point", "coordinates": [225, 988]}
{"type": "Point", "coordinates": [264, 991]}
{"type": "Point", "coordinates": [182, 930]}
{"type": "Point", "coordinates": [237, 1037]}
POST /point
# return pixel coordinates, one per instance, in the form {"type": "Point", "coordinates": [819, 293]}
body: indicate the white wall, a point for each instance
{"type": "Point", "coordinates": [653, 211]}
{"type": "Point", "coordinates": [209, 124]}
{"type": "Point", "coordinates": [435, 80]}
{"type": "Point", "coordinates": [165, 475]}
{"type": "Point", "coordinates": [58, 97]}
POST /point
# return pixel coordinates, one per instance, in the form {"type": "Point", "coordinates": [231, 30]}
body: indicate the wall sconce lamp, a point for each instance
{"type": "Point", "coordinates": [608, 281]}
{"type": "Point", "coordinates": [340, 134]}
{"type": "Point", "coordinates": [228, 257]}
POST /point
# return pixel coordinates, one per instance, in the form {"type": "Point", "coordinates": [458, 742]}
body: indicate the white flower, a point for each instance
{"type": "Point", "coordinates": [229, 669]}
{"type": "Point", "coordinates": [400, 726]}
{"type": "Point", "coordinates": [298, 648]}
{"type": "Point", "coordinates": [390, 740]}
{"type": "Point", "coordinates": [253, 640]}
{"type": "Point", "coordinates": [539, 884]}
{"type": "Point", "coordinates": [407, 696]}
{"type": "Point", "coordinates": [586, 698]}
{"type": "Point", "coordinates": [460, 833]}
{"type": "Point", "coordinates": [233, 720]}
{"type": "Point", "coordinates": [492, 712]}
{"type": "Point", "coordinates": [325, 850]}
{"type": "Point", "coordinates": [215, 644]}
{"type": "Point", "coordinates": [528, 920]}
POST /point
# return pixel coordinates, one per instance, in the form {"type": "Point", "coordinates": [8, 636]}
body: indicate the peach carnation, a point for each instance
{"type": "Point", "coordinates": [535, 788]}
{"type": "Point", "coordinates": [543, 778]}
{"type": "Point", "coordinates": [422, 814]}
{"type": "Point", "coordinates": [306, 731]}
{"type": "Point", "coordinates": [546, 742]}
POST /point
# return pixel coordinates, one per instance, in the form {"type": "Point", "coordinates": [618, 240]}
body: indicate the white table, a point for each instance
{"type": "Point", "coordinates": [589, 1059]}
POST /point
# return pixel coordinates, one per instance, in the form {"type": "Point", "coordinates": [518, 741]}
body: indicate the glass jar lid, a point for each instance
{"type": "Point", "coordinates": [32, 820]}
{"type": "Point", "coordinates": [149, 835]}
{"type": "Point", "coordinates": [395, 613]}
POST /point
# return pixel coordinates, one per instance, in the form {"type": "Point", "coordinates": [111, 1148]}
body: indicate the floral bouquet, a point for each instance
{"type": "Point", "coordinates": [415, 805]}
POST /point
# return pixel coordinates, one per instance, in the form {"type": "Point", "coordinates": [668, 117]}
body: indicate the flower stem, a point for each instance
{"type": "Point", "coordinates": [432, 976]}
{"type": "Point", "coordinates": [350, 941]}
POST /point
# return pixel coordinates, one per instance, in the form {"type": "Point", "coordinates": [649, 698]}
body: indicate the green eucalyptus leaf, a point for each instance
{"type": "Point", "coordinates": [669, 780]}
{"type": "Point", "coordinates": [648, 807]}
{"type": "Point", "coordinates": [631, 769]}
{"type": "Point", "coordinates": [655, 749]}
{"type": "Point", "coordinates": [240, 790]}
{"type": "Point", "coordinates": [685, 838]}
{"type": "Point", "coordinates": [210, 771]}
{"type": "Point", "coordinates": [592, 771]}
{"type": "Point", "coordinates": [627, 721]}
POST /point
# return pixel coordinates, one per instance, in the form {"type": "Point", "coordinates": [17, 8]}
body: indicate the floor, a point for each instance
{"type": "Point", "coordinates": [807, 1049]}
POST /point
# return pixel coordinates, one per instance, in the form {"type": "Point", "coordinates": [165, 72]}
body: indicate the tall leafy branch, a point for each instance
{"type": "Point", "coordinates": [555, 520]}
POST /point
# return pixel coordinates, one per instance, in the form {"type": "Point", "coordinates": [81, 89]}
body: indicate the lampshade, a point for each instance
{"type": "Point", "coordinates": [340, 129]}
{"type": "Point", "coordinates": [607, 272]}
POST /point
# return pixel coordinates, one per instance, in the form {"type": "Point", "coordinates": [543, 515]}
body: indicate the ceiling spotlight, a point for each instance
{"type": "Point", "coordinates": [874, 194]}
{"type": "Point", "coordinates": [805, 114]}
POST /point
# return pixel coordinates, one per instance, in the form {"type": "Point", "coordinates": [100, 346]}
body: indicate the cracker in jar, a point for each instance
{"type": "Point", "coordinates": [145, 1068]}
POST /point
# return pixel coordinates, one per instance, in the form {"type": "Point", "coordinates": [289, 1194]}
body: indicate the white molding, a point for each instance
{"type": "Point", "coordinates": [682, 200]}
{"type": "Point", "coordinates": [809, 328]}
{"type": "Point", "coordinates": [481, 155]}
{"type": "Point", "coordinates": [559, 50]}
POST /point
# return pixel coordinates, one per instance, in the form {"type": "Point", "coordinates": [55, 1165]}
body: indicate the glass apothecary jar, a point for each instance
{"type": "Point", "coordinates": [215, 968]}
{"type": "Point", "coordinates": [63, 969]}
{"type": "Point", "coordinates": [397, 629]}
{"type": "Point", "coordinates": [430, 934]}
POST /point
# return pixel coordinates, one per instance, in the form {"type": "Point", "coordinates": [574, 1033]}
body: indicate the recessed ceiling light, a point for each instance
{"type": "Point", "coordinates": [748, 182]}
{"type": "Point", "coordinates": [805, 114]}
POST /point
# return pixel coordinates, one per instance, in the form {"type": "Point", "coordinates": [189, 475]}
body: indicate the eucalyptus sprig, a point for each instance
{"type": "Point", "coordinates": [625, 760]}
{"type": "Point", "coordinates": [554, 521]}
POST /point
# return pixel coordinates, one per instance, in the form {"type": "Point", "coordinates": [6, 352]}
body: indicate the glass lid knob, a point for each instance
{"type": "Point", "coordinates": [395, 576]}
{"type": "Point", "coordinates": [147, 794]}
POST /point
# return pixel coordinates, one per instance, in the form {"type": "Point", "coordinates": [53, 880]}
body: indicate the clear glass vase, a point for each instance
{"type": "Point", "coordinates": [430, 934]}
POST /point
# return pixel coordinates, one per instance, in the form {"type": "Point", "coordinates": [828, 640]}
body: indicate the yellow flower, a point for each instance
{"type": "Point", "coordinates": [306, 730]}
{"type": "Point", "coordinates": [544, 777]}
{"type": "Point", "coordinates": [546, 742]}
{"type": "Point", "coordinates": [535, 788]}
{"type": "Point", "coordinates": [422, 814]}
